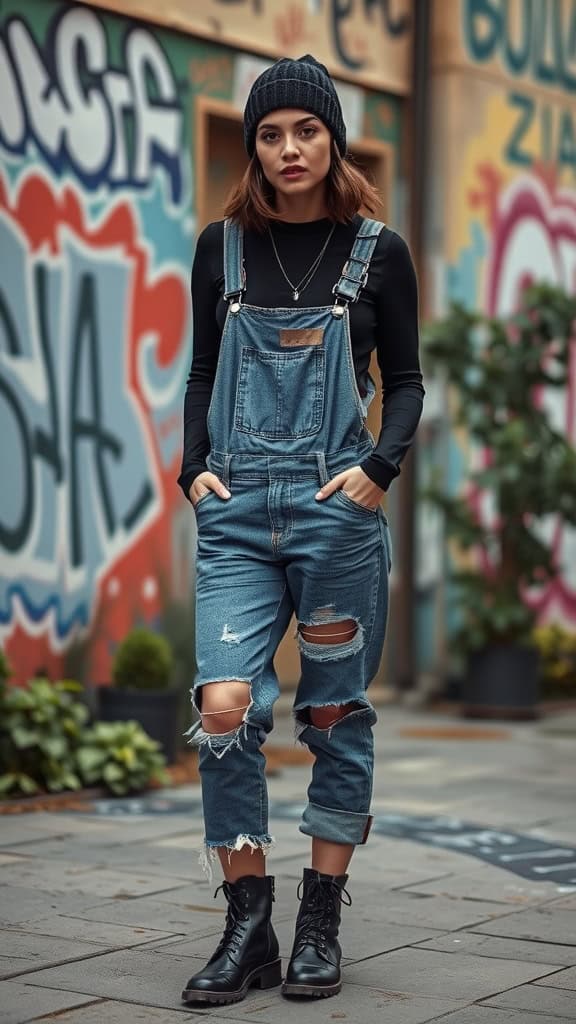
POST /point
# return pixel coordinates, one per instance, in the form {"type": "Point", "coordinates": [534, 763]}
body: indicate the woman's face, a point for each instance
{"type": "Point", "coordinates": [294, 149]}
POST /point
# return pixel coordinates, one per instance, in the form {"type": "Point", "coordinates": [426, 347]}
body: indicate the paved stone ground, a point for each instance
{"type": "Point", "coordinates": [104, 918]}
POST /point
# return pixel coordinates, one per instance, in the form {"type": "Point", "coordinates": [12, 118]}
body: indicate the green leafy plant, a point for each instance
{"type": "Point", "coordinates": [40, 730]}
{"type": "Point", "coordinates": [123, 756]}
{"type": "Point", "coordinates": [143, 661]}
{"type": "Point", "coordinates": [498, 368]}
{"type": "Point", "coordinates": [46, 745]}
{"type": "Point", "coordinates": [557, 647]}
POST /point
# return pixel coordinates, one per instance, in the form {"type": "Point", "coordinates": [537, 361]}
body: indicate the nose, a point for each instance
{"type": "Point", "coordinates": [290, 146]}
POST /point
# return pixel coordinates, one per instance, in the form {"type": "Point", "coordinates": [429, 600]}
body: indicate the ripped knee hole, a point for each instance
{"type": "Point", "coordinates": [329, 632]}
{"type": "Point", "coordinates": [324, 717]}
{"type": "Point", "coordinates": [222, 706]}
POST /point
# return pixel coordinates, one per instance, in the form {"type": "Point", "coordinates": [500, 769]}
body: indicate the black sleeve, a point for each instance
{"type": "Point", "coordinates": [397, 353]}
{"type": "Point", "coordinates": [206, 346]}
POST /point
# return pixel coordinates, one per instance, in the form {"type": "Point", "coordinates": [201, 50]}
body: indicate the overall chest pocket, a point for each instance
{"type": "Point", "coordinates": [280, 395]}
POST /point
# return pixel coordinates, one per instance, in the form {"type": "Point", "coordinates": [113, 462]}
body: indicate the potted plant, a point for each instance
{"type": "Point", "coordinates": [46, 745]}
{"type": "Point", "coordinates": [142, 688]}
{"type": "Point", "coordinates": [523, 471]}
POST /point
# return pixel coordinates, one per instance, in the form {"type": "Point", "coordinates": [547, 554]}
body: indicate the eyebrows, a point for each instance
{"type": "Point", "coordinates": [297, 124]}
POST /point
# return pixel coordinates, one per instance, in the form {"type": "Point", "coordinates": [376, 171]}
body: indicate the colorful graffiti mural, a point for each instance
{"type": "Point", "coordinates": [96, 241]}
{"type": "Point", "coordinates": [513, 212]}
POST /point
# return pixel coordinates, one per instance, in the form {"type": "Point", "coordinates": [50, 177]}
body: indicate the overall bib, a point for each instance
{"type": "Point", "coordinates": [284, 418]}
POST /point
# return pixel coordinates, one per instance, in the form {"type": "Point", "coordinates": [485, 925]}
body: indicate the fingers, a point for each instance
{"type": "Point", "coordinates": [333, 485]}
{"type": "Point", "coordinates": [204, 483]}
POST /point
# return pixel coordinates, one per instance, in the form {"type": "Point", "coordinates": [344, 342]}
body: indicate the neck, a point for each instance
{"type": "Point", "coordinates": [299, 209]}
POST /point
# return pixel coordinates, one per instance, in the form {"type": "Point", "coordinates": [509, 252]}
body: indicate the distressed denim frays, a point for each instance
{"type": "Point", "coordinates": [284, 418]}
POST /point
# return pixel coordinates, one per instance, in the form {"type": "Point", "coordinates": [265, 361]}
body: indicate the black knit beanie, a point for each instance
{"type": "Point", "coordinates": [304, 84]}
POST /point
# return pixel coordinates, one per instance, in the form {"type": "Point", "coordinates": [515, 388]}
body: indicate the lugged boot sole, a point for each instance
{"type": "Point", "coordinates": [311, 990]}
{"type": "Point", "coordinates": [267, 976]}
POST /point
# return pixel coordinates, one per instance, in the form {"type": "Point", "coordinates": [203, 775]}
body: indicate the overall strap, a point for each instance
{"type": "Point", "coordinates": [355, 270]}
{"type": "Point", "coordinates": [234, 276]}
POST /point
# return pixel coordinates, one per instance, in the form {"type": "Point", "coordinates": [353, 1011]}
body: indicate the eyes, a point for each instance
{"type": "Point", "coordinates": [306, 132]}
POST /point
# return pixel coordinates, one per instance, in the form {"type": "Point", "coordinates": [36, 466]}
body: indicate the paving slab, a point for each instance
{"type": "Point", "coordinates": [151, 913]}
{"type": "Point", "coordinates": [21, 829]}
{"type": "Point", "coordinates": [110, 1012]}
{"type": "Point", "coordinates": [426, 972]}
{"type": "Point", "coordinates": [537, 999]}
{"type": "Point", "coordinates": [68, 876]}
{"type": "Point", "coordinates": [356, 1004]}
{"type": "Point", "coordinates": [563, 979]}
{"type": "Point", "coordinates": [563, 903]}
{"type": "Point", "coordinates": [539, 925]}
{"type": "Point", "coordinates": [19, 904]}
{"type": "Point", "coordinates": [22, 952]}
{"type": "Point", "coordinates": [503, 949]}
{"type": "Point", "coordinates": [137, 855]}
{"type": "Point", "coordinates": [20, 1003]}
{"type": "Point", "coordinates": [487, 883]}
{"type": "Point", "coordinates": [80, 929]}
{"type": "Point", "coordinates": [439, 912]}
{"type": "Point", "coordinates": [106, 1011]}
{"type": "Point", "coordinates": [131, 976]}
{"type": "Point", "coordinates": [487, 1015]}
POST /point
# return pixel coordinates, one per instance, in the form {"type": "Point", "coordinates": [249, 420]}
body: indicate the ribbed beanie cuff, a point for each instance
{"type": "Point", "coordinates": [304, 84]}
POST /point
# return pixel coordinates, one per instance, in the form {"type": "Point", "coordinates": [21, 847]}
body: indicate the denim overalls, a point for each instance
{"type": "Point", "coordinates": [284, 418]}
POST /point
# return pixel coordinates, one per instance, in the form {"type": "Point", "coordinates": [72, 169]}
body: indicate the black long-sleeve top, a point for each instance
{"type": "Point", "coordinates": [385, 318]}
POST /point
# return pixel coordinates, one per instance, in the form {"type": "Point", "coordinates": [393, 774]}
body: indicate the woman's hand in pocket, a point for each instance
{"type": "Point", "coordinates": [205, 482]}
{"type": "Point", "coordinates": [357, 485]}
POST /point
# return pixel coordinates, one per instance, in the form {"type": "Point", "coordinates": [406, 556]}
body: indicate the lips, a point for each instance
{"type": "Point", "coordinates": [293, 172]}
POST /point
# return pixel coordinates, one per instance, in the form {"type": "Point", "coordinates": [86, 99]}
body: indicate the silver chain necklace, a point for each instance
{"type": "Point", "coordinates": [297, 289]}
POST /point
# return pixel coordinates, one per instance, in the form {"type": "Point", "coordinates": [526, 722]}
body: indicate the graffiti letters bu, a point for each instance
{"type": "Point", "coordinates": [540, 44]}
{"type": "Point", "coordinates": [107, 125]}
{"type": "Point", "coordinates": [77, 305]}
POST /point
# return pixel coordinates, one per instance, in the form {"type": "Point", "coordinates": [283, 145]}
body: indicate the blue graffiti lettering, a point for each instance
{"type": "Point", "coordinates": [546, 50]}
{"type": "Point", "coordinates": [82, 483]}
{"type": "Point", "coordinates": [341, 10]}
{"type": "Point", "coordinates": [557, 133]}
{"type": "Point", "coordinates": [105, 124]}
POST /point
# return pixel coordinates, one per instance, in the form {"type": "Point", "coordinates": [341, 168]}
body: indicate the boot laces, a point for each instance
{"type": "Point", "coordinates": [235, 915]}
{"type": "Point", "coordinates": [322, 899]}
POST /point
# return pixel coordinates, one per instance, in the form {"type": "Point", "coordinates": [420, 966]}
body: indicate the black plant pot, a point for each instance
{"type": "Point", "coordinates": [502, 681]}
{"type": "Point", "coordinates": [155, 710]}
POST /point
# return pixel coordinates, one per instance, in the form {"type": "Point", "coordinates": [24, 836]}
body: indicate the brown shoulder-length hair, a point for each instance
{"type": "Point", "coordinates": [251, 202]}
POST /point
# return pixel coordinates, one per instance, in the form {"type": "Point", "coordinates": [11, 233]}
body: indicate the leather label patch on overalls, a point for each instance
{"type": "Point", "coordinates": [303, 336]}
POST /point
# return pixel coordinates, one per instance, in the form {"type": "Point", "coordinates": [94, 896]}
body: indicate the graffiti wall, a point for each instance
{"type": "Point", "coordinates": [96, 238]}
{"type": "Point", "coordinates": [98, 220]}
{"type": "Point", "coordinates": [504, 77]}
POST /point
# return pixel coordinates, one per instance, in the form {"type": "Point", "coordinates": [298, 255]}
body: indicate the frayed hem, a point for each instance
{"type": "Point", "coordinates": [209, 855]}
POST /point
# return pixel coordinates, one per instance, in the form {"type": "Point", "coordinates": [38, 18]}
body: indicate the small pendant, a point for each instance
{"type": "Point", "coordinates": [296, 295]}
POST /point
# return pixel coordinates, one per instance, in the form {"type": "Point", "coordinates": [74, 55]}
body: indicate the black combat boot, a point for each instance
{"type": "Point", "coordinates": [314, 968]}
{"type": "Point", "coordinates": [247, 953]}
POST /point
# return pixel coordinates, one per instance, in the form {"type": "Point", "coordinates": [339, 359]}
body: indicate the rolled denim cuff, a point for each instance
{"type": "Point", "coordinates": [334, 825]}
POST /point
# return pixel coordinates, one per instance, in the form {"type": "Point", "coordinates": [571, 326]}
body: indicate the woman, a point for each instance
{"type": "Point", "coordinates": [290, 294]}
